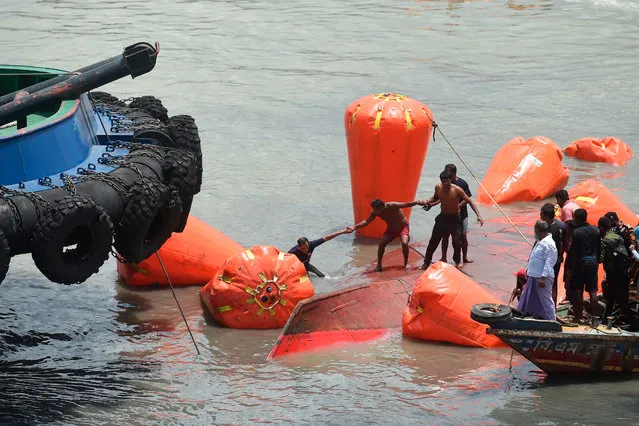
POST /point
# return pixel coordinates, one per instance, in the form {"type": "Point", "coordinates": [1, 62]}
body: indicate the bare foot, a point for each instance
{"type": "Point", "coordinates": [424, 267]}
{"type": "Point", "coordinates": [406, 268]}
{"type": "Point", "coordinates": [468, 261]}
{"type": "Point", "coordinates": [379, 268]}
{"type": "Point", "coordinates": [443, 259]}
{"type": "Point", "coordinates": [459, 266]}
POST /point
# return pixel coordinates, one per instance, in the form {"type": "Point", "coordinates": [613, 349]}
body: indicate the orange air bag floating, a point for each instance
{"type": "Point", "coordinates": [439, 308]}
{"type": "Point", "coordinates": [257, 288]}
{"type": "Point", "coordinates": [387, 137]}
{"type": "Point", "coordinates": [191, 257]}
{"type": "Point", "coordinates": [607, 150]}
{"type": "Point", "coordinates": [524, 171]}
{"type": "Point", "coordinates": [597, 200]}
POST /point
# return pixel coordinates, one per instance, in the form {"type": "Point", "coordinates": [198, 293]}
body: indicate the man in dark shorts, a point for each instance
{"type": "Point", "coordinates": [582, 263]}
{"type": "Point", "coordinates": [557, 229]}
{"type": "Point", "coordinates": [397, 226]}
{"type": "Point", "coordinates": [448, 221]}
{"type": "Point", "coordinates": [463, 215]}
{"type": "Point", "coordinates": [304, 249]}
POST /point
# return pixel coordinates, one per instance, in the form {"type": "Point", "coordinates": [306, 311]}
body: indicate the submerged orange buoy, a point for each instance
{"type": "Point", "coordinates": [439, 308]}
{"type": "Point", "coordinates": [387, 136]}
{"type": "Point", "coordinates": [524, 170]}
{"type": "Point", "coordinates": [257, 288]}
{"type": "Point", "coordinates": [605, 150]}
{"type": "Point", "coordinates": [191, 257]}
{"type": "Point", "coordinates": [597, 200]}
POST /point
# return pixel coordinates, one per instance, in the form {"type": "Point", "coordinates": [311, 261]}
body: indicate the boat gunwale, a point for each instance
{"type": "Point", "coordinates": [600, 335]}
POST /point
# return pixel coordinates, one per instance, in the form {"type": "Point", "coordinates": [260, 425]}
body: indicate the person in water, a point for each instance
{"type": "Point", "coordinates": [463, 215]}
{"type": "Point", "coordinates": [304, 249]}
{"type": "Point", "coordinates": [396, 226]}
{"type": "Point", "coordinates": [448, 221]}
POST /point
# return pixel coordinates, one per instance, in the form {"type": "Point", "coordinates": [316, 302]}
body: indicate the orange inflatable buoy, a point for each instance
{"type": "Point", "coordinates": [257, 288]}
{"type": "Point", "coordinates": [607, 150]}
{"type": "Point", "coordinates": [439, 308]}
{"type": "Point", "coordinates": [387, 136]}
{"type": "Point", "coordinates": [524, 171]}
{"type": "Point", "coordinates": [190, 257]}
{"type": "Point", "coordinates": [597, 200]}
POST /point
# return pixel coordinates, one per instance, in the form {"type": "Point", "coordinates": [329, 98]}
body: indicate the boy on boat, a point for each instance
{"type": "Point", "coordinates": [448, 221]}
{"type": "Point", "coordinates": [396, 226]}
{"type": "Point", "coordinates": [304, 249]}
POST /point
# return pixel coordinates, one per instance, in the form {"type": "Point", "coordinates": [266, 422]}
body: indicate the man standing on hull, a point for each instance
{"type": "Point", "coordinates": [463, 215]}
{"type": "Point", "coordinates": [397, 226]}
{"type": "Point", "coordinates": [448, 221]}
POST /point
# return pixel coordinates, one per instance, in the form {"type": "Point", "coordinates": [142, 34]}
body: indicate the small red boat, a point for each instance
{"type": "Point", "coordinates": [557, 349]}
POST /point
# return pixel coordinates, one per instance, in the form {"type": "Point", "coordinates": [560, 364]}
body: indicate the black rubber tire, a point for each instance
{"type": "Point", "coordinates": [5, 256]}
{"type": "Point", "coordinates": [148, 220]}
{"type": "Point", "coordinates": [106, 98]}
{"type": "Point", "coordinates": [152, 105]}
{"type": "Point", "coordinates": [184, 133]}
{"type": "Point", "coordinates": [490, 313]}
{"type": "Point", "coordinates": [156, 134]}
{"type": "Point", "coordinates": [74, 220]}
{"type": "Point", "coordinates": [179, 172]}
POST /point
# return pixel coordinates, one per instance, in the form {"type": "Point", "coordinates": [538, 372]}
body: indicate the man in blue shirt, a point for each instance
{"type": "Point", "coordinates": [463, 215]}
{"type": "Point", "coordinates": [304, 249]}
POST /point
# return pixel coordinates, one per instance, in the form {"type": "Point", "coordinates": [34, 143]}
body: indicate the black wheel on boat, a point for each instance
{"type": "Point", "coordinates": [490, 313]}
{"type": "Point", "coordinates": [5, 256]}
{"type": "Point", "coordinates": [180, 173]}
{"type": "Point", "coordinates": [185, 135]}
{"type": "Point", "coordinates": [151, 215]}
{"type": "Point", "coordinates": [156, 134]}
{"type": "Point", "coordinates": [152, 105]}
{"type": "Point", "coordinates": [105, 98]}
{"type": "Point", "coordinates": [73, 240]}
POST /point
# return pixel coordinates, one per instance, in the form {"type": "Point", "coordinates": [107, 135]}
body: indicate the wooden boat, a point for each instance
{"type": "Point", "coordinates": [561, 349]}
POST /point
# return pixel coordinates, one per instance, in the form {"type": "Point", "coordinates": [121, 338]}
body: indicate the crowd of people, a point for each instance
{"type": "Point", "coordinates": [585, 246]}
{"type": "Point", "coordinates": [569, 239]}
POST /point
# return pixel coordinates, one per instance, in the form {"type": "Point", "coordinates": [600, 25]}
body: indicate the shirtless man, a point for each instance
{"type": "Point", "coordinates": [448, 221]}
{"type": "Point", "coordinates": [396, 226]}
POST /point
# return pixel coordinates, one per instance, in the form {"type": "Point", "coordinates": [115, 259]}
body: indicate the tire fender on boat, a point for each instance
{"type": "Point", "coordinates": [490, 313]}
{"type": "Point", "coordinates": [76, 221]}
{"type": "Point", "coordinates": [150, 217]}
{"type": "Point", "coordinates": [184, 133]}
{"type": "Point", "coordinates": [5, 256]}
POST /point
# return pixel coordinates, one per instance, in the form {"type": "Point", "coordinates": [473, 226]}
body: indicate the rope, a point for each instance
{"type": "Point", "coordinates": [157, 253]}
{"type": "Point", "coordinates": [479, 182]}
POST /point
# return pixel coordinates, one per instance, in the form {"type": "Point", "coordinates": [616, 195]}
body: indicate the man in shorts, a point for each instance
{"type": "Point", "coordinates": [448, 221]}
{"type": "Point", "coordinates": [463, 215]}
{"type": "Point", "coordinates": [396, 226]}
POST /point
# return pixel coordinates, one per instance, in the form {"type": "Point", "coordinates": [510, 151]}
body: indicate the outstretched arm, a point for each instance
{"type": "Point", "coordinates": [335, 234]}
{"type": "Point", "coordinates": [472, 205]}
{"type": "Point", "coordinates": [363, 223]}
{"type": "Point", "coordinates": [432, 201]}
{"type": "Point", "coordinates": [406, 204]}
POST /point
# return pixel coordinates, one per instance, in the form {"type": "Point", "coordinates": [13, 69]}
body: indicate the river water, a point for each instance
{"type": "Point", "coordinates": [268, 83]}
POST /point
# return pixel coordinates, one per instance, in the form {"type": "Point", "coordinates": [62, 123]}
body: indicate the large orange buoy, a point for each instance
{"type": "Point", "coordinates": [191, 257]}
{"type": "Point", "coordinates": [524, 170]}
{"type": "Point", "coordinates": [597, 200]}
{"type": "Point", "coordinates": [607, 150]}
{"type": "Point", "coordinates": [439, 308]}
{"type": "Point", "coordinates": [257, 288]}
{"type": "Point", "coordinates": [387, 136]}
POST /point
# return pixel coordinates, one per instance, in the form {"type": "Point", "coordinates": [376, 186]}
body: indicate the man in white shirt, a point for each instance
{"type": "Point", "coordinates": [536, 298]}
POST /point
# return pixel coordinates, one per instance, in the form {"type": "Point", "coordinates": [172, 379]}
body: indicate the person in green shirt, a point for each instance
{"type": "Point", "coordinates": [614, 257]}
